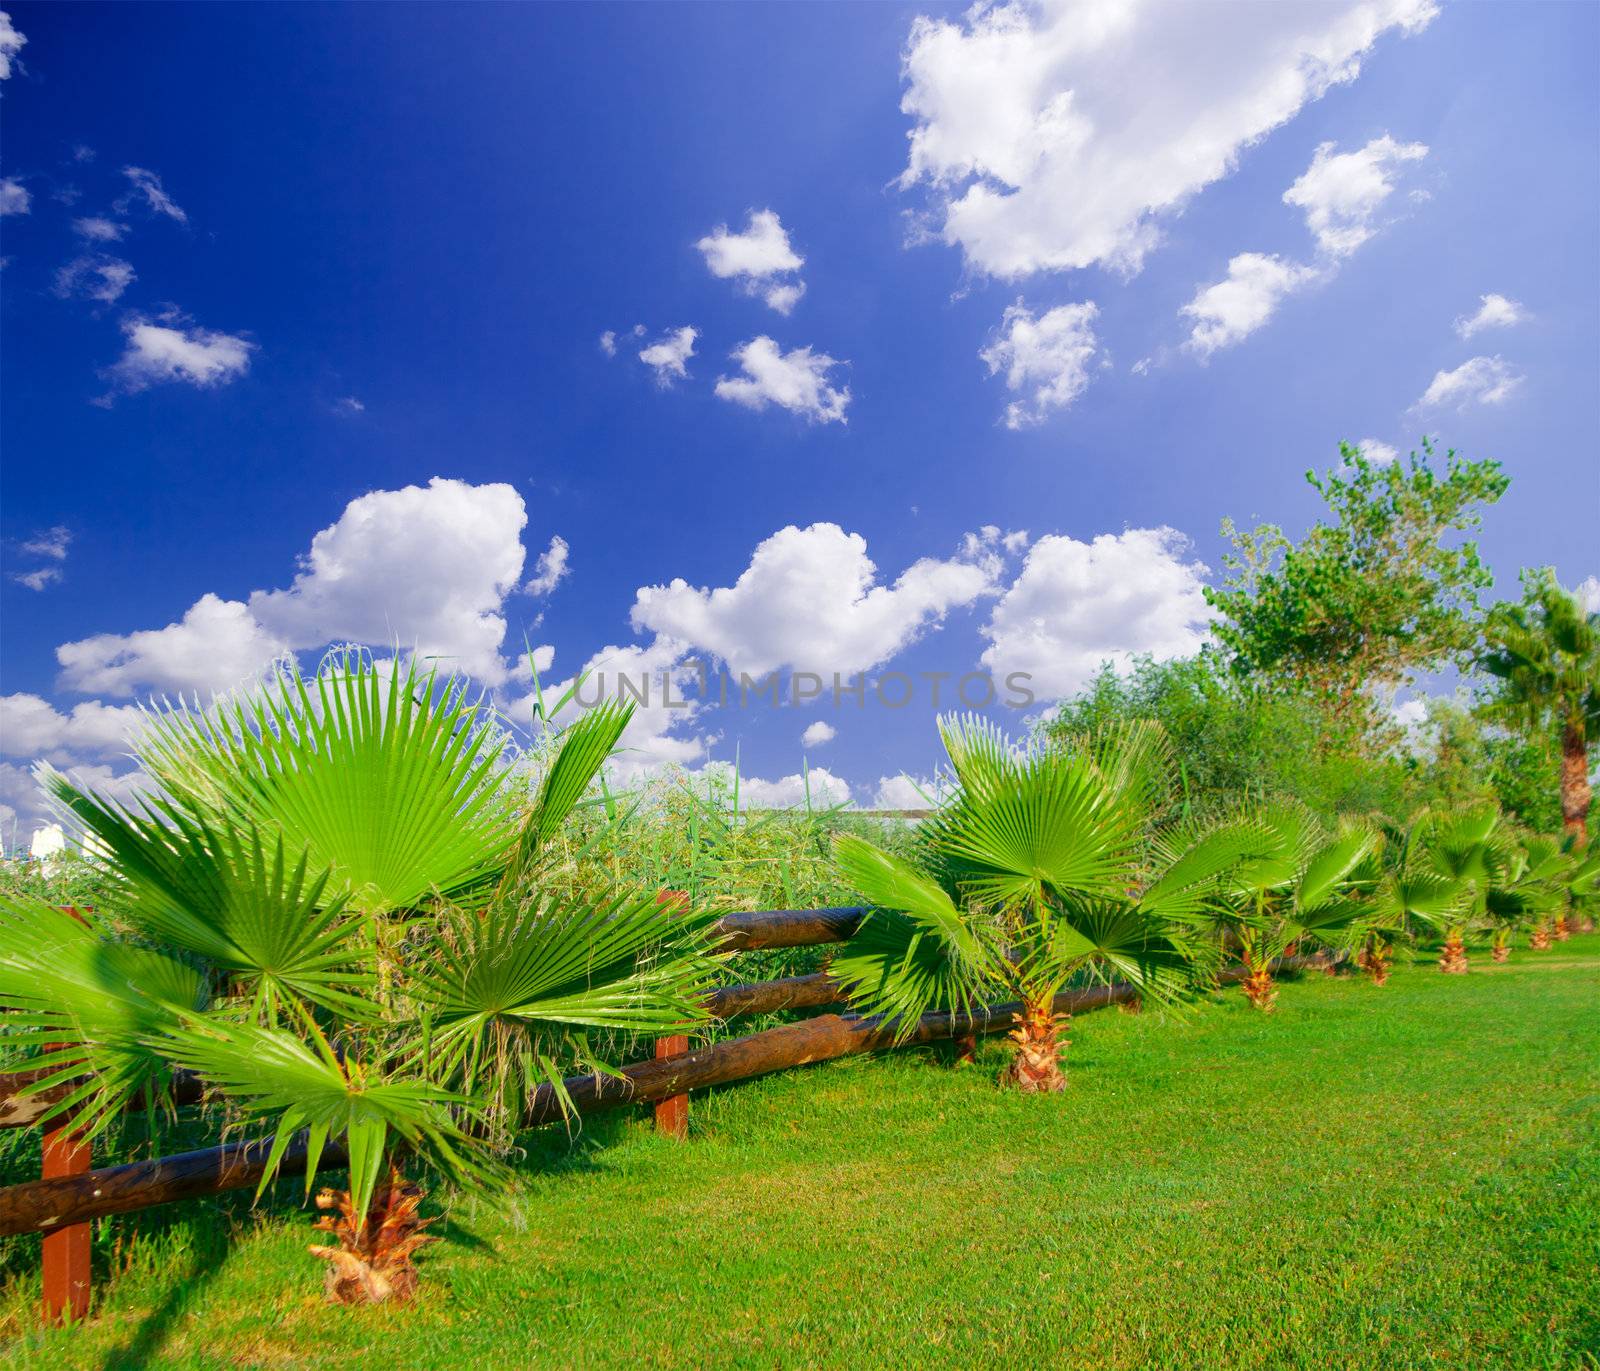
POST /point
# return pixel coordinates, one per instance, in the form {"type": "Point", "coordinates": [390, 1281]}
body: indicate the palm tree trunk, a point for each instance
{"type": "Point", "coordinates": [1036, 1066]}
{"type": "Point", "coordinates": [372, 1264]}
{"type": "Point", "coordinates": [1559, 930]}
{"type": "Point", "coordinates": [1258, 986]}
{"type": "Point", "coordinates": [1374, 960]}
{"type": "Point", "coordinates": [1539, 939]}
{"type": "Point", "coordinates": [1575, 792]}
{"type": "Point", "coordinates": [1453, 961]}
{"type": "Point", "coordinates": [1500, 952]}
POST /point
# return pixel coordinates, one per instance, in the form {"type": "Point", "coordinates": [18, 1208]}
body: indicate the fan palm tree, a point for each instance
{"type": "Point", "coordinates": [1284, 882]}
{"type": "Point", "coordinates": [1546, 653]}
{"type": "Point", "coordinates": [1465, 848]}
{"type": "Point", "coordinates": [331, 913]}
{"type": "Point", "coordinates": [1033, 874]}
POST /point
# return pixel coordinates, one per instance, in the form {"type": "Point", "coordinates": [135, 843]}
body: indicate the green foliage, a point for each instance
{"type": "Point", "coordinates": [328, 978]}
{"type": "Point", "coordinates": [1384, 589]}
{"type": "Point", "coordinates": [1235, 737]}
{"type": "Point", "coordinates": [1545, 654]}
{"type": "Point", "coordinates": [1027, 877]}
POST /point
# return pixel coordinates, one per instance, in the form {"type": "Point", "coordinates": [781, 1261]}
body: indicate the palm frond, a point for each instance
{"type": "Point", "coordinates": [86, 1006]}
{"type": "Point", "coordinates": [391, 777]}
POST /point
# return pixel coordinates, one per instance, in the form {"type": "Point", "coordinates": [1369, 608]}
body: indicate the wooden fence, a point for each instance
{"type": "Point", "coordinates": [70, 1195]}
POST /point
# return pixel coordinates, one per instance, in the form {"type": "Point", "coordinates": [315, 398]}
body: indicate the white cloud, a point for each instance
{"type": "Point", "coordinates": [1077, 605]}
{"type": "Point", "coordinates": [99, 230]}
{"type": "Point", "coordinates": [761, 259]}
{"type": "Point", "coordinates": [1378, 453]}
{"type": "Point", "coordinates": [24, 806]}
{"type": "Point", "coordinates": [38, 578]}
{"type": "Point", "coordinates": [608, 343]}
{"type": "Point", "coordinates": [14, 197]}
{"type": "Point", "coordinates": [10, 44]}
{"type": "Point", "coordinates": [810, 599]}
{"type": "Point", "coordinates": [796, 381]}
{"type": "Point", "coordinates": [1588, 593]}
{"type": "Point", "coordinates": [174, 352]}
{"type": "Point", "coordinates": [785, 297]}
{"type": "Point", "coordinates": [551, 568]}
{"type": "Point", "coordinates": [147, 186]}
{"type": "Point", "coordinates": [1045, 358]}
{"type": "Point", "coordinates": [661, 731]}
{"type": "Point", "coordinates": [818, 733]}
{"type": "Point", "coordinates": [1232, 309]}
{"type": "Point", "coordinates": [1054, 135]}
{"type": "Point", "coordinates": [31, 727]}
{"type": "Point", "coordinates": [1494, 311]}
{"type": "Point", "coordinates": [1341, 192]}
{"type": "Point", "coordinates": [52, 543]}
{"type": "Point", "coordinates": [349, 405]}
{"type": "Point", "coordinates": [907, 792]}
{"type": "Point", "coordinates": [423, 568]}
{"type": "Point", "coordinates": [823, 787]}
{"type": "Point", "coordinates": [95, 276]}
{"type": "Point", "coordinates": [217, 644]}
{"type": "Point", "coordinates": [1483, 381]}
{"type": "Point", "coordinates": [667, 355]}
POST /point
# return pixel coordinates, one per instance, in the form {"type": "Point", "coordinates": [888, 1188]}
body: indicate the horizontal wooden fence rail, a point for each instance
{"type": "Point", "coordinates": [47, 1205]}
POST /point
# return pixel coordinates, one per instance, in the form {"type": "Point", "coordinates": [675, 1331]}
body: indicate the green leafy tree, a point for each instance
{"type": "Point", "coordinates": [332, 913]}
{"type": "Point", "coordinates": [1545, 653]}
{"type": "Point", "coordinates": [1035, 872]}
{"type": "Point", "coordinates": [1384, 589]}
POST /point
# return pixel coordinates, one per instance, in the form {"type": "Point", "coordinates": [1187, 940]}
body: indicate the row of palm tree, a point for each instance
{"type": "Point", "coordinates": [335, 909]}
{"type": "Point", "coordinates": [1052, 864]}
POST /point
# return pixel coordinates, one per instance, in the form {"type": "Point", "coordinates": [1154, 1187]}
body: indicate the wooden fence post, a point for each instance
{"type": "Point", "coordinates": [672, 1113]}
{"type": "Point", "coordinates": [64, 1261]}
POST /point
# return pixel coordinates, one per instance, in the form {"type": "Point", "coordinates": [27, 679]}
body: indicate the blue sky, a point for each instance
{"type": "Point", "coordinates": [277, 274]}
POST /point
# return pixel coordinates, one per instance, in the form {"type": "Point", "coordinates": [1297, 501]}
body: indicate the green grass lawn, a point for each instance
{"type": "Point", "coordinates": [1387, 1178]}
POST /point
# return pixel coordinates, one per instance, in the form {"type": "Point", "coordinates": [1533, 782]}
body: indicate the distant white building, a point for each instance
{"type": "Point", "coordinates": [48, 842]}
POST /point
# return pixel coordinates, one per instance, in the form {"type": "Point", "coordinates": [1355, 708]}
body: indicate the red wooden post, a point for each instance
{"type": "Point", "coordinates": [64, 1263]}
{"type": "Point", "coordinates": [672, 1113]}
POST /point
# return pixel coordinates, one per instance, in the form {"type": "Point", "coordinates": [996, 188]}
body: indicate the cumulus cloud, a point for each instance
{"type": "Point", "coordinates": [1055, 136]}
{"type": "Point", "coordinates": [817, 785]}
{"type": "Point", "coordinates": [1341, 192]}
{"type": "Point", "coordinates": [172, 351]}
{"type": "Point", "coordinates": [1045, 358]}
{"type": "Point", "coordinates": [147, 187]}
{"type": "Point", "coordinates": [608, 343]}
{"type": "Point", "coordinates": [31, 727]}
{"type": "Point", "coordinates": [95, 276]}
{"type": "Point", "coordinates": [1380, 454]}
{"type": "Point", "coordinates": [423, 568]}
{"type": "Point", "coordinates": [818, 733]}
{"type": "Point", "coordinates": [25, 807]}
{"type": "Point", "coordinates": [14, 197]}
{"type": "Point", "coordinates": [99, 230]}
{"type": "Point", "coordinates": [761, 260]}
{"type": "Point", "coordinates": [1078, 605]}
{"type": "Point", "coordinates": [796, 381]}
{"type": "Point", "coordinates": [667, 355]}
{"type": "Point", "coordinates": [1233, 308]}
{"type": "Point", "coordinates": [1494, 311]}
{"type": "Point", "coordinates": [907, 792]}
{"type": "Point", "coordinates": [661, 731]}
{"type": "Point", "coordinates": [1481, 381]}
{"type": "Point", "coordinates": [551, 568]}
{"type": "Point", "coordinates": [1588, 593]}
{"type": "Point", "coordinates": [10, 44]}
{"type": "Point", "coordinates": [216, 644]}
{"type": "Point", "coordinates": [39, 578]}
{"type": "Point", "coordinates": [349, 406]}
{"type": "Point", "coordinates": [810, 599]}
